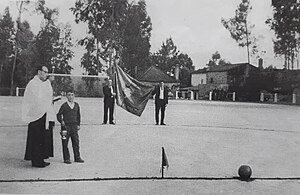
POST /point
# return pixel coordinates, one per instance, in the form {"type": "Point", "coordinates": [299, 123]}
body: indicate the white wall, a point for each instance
{"type": "Point", "coordinates": [197, 78]}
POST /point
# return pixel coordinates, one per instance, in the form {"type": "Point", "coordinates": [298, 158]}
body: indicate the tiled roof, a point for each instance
{"type": "Point", "coordinates": [223, 68]}
{"type": "Point", "coordinates": [154, 74]}
{"type": "Point", "coordinates": [220, 68]}
{"type": "Point", "coordinates": [199, 71]}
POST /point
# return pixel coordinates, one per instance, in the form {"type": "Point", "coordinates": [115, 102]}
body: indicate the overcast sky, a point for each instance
{"type": "Point", "coordinates": [194, 25]}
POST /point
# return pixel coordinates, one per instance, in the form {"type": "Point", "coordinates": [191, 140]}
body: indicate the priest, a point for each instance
{"type": "Point", "coordinates": [38, 112]}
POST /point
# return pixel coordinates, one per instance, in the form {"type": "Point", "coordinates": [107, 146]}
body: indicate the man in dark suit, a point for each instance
{"type": "Point", "coordinates": [161, 100]}
{"type": "Point", "coordinates": [109, 102]}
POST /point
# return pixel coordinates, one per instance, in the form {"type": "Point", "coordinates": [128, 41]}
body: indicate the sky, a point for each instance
{"type": "Point", "coordinates": [194, 25]}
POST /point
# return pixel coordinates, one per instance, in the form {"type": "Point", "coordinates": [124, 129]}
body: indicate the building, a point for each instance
{"type": "Point", "coordinates": [153, 75]}
{"type": "Point", "coordinates": [199, 77]}
{"type": "Point", "coordinates": [230, 77]}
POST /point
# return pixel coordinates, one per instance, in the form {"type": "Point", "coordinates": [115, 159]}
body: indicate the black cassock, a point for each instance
{"type": "Point", "coordinates": [39, 143]}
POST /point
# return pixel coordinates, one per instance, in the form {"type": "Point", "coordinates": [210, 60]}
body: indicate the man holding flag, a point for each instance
{"type": "Point", "coordinates": [109, 102]}
{"type": "Point", "coordinates": [161, 101]}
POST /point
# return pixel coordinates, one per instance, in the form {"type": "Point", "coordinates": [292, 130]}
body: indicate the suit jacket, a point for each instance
{"type": "Point", "coordinates": [108, 97]}
{"type": "Point", "coordinates": [156, 92]}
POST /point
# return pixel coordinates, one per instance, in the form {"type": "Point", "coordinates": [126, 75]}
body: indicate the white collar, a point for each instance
{"type": "Point", "coordinates": [71, 104]}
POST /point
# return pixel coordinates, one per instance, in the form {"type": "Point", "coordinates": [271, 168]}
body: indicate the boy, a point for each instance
{"type": "Point", "coordinates": [69, 117]}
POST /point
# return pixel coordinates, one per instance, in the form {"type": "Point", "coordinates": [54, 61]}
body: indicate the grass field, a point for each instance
{"type": "Point", "coordinates": [205, 143]}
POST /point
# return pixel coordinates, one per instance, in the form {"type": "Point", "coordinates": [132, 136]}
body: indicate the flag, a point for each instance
{"type": "Point", "coordinates": [131, 94]}
{"type": "Point", "coordinates": [164, 162]}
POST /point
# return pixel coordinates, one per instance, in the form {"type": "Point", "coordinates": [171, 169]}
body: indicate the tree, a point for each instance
{"type": "Point", "coordinates": [136, 42]}
{"type": "Point", "coordinates": [240, 29]}
{"type": "Point", "coordinates": [216, 60]}
{"type": "Point", "coordinates": [52, 47]}
{"type": "Point", "coordinates": [286, 25]}
{"type": "Point", "coordinates": [62, 57]}
{"type": "Point", "coordinates": [211, 63]}
{"type": "Point", "coordinates": [20, 6]}
{"type": "Point", "coordinates": [186, 68]}
{"type": "Point", "coordinates": [223, 62]}
{"type": "Point", "coordinates": [13, 49]}
{"type": "Point", "coordinates": [118, 31]}
{"type": "Point", "coordinates": [6, 47]}
{"type": "Point", "coordinates": [168, 57]}
{"type": "Point", "coordinates": [48, 37]}
{"type": "Point", "coordinates": [25, 37]}
{"type": "Point", "coordinates": [216, 56]}
{"type": "Point", "coordinates": [21, 51]}
{"type": "Point", "coordinates": [106, 23]}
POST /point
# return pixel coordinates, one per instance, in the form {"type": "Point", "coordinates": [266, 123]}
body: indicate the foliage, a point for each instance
{"type": "Point", "coordinates": [168, 57]}
{"type": "Point", "coordinates": [63, 54]}
{"type": "Point", "coordinates": [286, 25]}
{"type": "Point", "coordinates": [117, 30]}
{"type": "Point", "coordinates": [106, 21]}
{"type": "Point", "coordinates": [240, 29]}
{"type": "Point", "coordinates": [21, 51]}
{"type": "Point", "coordinates": [24, 42]}
{"type": "Point", "coordinates": [21, 8]}
{"type": "Point", "coordinates": [136, 42]}
{"type": "Point", "coordinates": [14, 49]}
{"type": "Point", "coordinates": [217, 60]}
{"type": "Point", "coordinates": [6, 48]}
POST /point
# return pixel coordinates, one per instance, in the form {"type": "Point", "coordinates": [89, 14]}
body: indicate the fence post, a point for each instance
{"type": "Point", "coordinates": [17, 91]}
{"type": "Point", "coordinates": [294, 98]}
{"type": "Point", "coordinates": [233, 96]}
{"type": "Point", "coordinates": [192, 95]}
{"type": "Point", "coordinates": [275, 98]}
{"type": "Point", "coordinates": [261, 97]}
{"type": "Point", "coordinates": [210, 95]}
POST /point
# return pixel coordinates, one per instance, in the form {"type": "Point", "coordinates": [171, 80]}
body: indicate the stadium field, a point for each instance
{"type": "Point", "coordinates": [205, 143]}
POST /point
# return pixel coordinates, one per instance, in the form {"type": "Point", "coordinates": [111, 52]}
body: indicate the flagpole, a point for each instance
{"type": "Point", "coordinates": [162, 164]}
{"type": "Point", "coordinates": [115, 81]}
{"type": "Point", "coordinates": [115, 105]}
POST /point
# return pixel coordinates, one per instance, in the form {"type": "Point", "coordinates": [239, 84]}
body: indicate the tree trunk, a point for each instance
{"type": "Point", "coordinates": [16, 52]}
{"type": "Point", "coordinates": [1, 67]}
{"type": "Point", "coordinates": [13, 73]}
{"type": "Point", "coordinates": [248, 54]}
{"type": "Point", "coordinates": [298, 59]}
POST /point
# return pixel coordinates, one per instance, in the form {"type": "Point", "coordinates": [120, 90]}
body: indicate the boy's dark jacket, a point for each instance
{"type": "Point", "coordinates": [68, 115]}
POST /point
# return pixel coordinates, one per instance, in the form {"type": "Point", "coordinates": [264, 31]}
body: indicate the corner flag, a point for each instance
{"type": "Point", "coordinates": [164, 162]}
{"type": "Point", "coordinates": [132, 95]}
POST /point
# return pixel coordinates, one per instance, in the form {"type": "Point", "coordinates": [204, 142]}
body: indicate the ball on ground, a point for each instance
{"type": "Point", "coordinates": [245, 172]}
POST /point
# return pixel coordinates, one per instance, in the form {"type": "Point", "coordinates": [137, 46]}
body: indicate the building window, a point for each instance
{"type": "Point", "coordinates": [201, 81]}
{"type": "Point", "coordinates": [211, 80]}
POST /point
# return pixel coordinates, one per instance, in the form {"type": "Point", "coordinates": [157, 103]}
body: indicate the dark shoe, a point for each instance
{"type": "Point", "coordinates": [79, 160]}
{"type": "Point", "coordinates": [46, 164]}
{"type": "Point", "coordinates": [112, 123]}
{"type": "Point", "coordinates": [103, 123]}
{"type": "Point", "coordinates": [156, 124]}
{"type": "Point", "coordinates": [38, 165]}
{"type": "Point", "coordinates": [162, 124]}
{"type": "Point", "coordinates": [67, 162]}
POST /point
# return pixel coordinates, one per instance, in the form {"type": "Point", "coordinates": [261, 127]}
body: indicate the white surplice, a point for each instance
{"type": "Point", "coordinates": [37, 101]}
